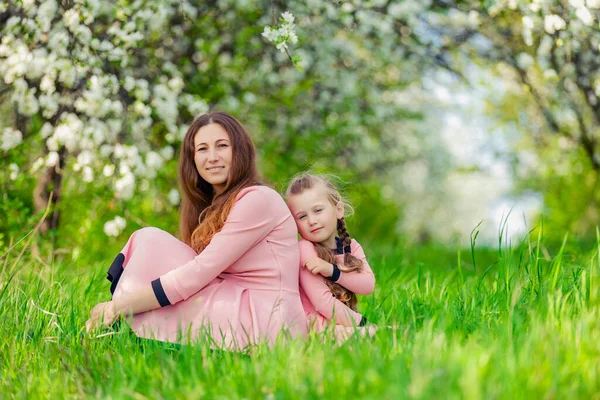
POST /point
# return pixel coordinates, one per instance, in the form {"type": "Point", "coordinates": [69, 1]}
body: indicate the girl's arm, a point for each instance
{"type": "Point", "coordinates": [325, 302]}
{"type": "Point", "coordinates": [362, 282]}
{"type": "Point", "coordinates": [319, 293]}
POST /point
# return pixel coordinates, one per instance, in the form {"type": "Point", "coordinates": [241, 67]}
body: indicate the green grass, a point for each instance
{"type": "Point", "coordinates": [513, 322]}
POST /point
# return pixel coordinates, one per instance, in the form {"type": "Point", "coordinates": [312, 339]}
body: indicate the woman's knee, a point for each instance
{"type": "Point", "coordinates": [148, 236]}
{"type": "Point", "coordinates": [148, 232]}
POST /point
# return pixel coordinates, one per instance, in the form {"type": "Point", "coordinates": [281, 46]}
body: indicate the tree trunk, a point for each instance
{"type": "Point", "coordinates": [50, 181]}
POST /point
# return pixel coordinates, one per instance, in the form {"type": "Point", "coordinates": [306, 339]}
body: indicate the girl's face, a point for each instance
{"type": "Point", "coordinates": [213, 155]}
{"type": "Point", "coordinates": [315, 215]}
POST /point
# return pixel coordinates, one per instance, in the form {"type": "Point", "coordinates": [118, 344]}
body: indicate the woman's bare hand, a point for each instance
{"type": "Point", "coordinates": [102, 315]}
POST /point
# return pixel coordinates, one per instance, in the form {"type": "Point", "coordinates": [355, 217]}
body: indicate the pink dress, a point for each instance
{"type": "Point", "coordinates": [322, 309]}
{"type": "Point", "coordinates": [241, 290]}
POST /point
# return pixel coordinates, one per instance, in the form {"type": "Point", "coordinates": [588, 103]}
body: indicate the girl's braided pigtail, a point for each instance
{"type": "Point", "coordinates": [351, 263]}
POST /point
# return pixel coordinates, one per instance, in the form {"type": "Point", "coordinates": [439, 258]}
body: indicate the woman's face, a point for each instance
{"type": "Point", "coordinates": [213, 155]}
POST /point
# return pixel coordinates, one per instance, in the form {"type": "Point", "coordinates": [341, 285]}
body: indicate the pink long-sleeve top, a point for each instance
{"type": "Point", "coordinates": [245, 249]}
{"type": "Point", "coordinates": [317, 298]}
{"type": "Point", "coordinates": [256, 250]}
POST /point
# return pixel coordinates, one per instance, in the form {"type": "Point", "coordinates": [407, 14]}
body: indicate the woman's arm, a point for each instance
{"type": "Point", "coordinates": [253, 216]}
{"type": "Point", "coordinates": [362, 282]}
{"type": "Point", "coordinates": [250, 220]}
{"type": "Point", "coordinates": [106, 313]}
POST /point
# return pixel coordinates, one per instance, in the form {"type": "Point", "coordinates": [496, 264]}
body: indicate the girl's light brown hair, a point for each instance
{"type": "Point", "coordinates": [306, 181]}
{"type": "Point", "coordinates": [202, 212]}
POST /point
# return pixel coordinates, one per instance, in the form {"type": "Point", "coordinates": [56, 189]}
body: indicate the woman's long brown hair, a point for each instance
{"type": "Point", "coordinates": [202, 212]}
{"type": "Point", "coordinates": [306, 181]}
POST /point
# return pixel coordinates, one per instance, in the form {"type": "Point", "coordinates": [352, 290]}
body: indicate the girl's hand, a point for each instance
{"type": "Point", "coordinates": [102, 315]}
{"type": "Point", "coordinates": [319, 266]}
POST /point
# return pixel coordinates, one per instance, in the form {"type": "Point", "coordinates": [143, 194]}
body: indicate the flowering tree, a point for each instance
{"type": "Point", "coordinates": [92, 86]}
{"type": "Point", "coordinates": [282, 35]}
{"type": "Point", "coordinates": [552, 48]}
{"type": "Point", "coordinates": [549, 54]}
{"type": "Point", "coordinates": [105, 93]}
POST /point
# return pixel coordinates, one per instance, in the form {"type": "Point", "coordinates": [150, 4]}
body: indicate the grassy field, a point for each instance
{"type": "Point", "coordinates": [515, 322]}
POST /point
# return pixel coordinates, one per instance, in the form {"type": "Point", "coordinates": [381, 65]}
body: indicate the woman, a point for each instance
{"type": "Point", "coordinates": [235, 275]}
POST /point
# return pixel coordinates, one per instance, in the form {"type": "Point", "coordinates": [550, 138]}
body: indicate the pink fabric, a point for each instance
{"type": "Point", "coordinates": [242, 289]}
{"type": "Point", "coordinates": [362, 282]}
{"type": "Point", "coordinates": [324, 311]}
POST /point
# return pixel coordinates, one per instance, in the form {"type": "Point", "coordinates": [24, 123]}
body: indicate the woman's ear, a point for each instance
{"type": "Point", "coordinates": [339, 210]}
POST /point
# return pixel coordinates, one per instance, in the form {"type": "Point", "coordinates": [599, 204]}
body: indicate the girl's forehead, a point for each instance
{"type": "Point", "coordinates": [314, 195]}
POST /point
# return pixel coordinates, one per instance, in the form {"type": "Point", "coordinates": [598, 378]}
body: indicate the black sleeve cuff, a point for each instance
{"type": "Point", "coordinates": [159, 292]}
{"type": "Point", "coordinates": [114, 272]}
{"type": "Point", "coordinates": [363, 321]}
{"type": "Point", "coordinates": [336, 273]}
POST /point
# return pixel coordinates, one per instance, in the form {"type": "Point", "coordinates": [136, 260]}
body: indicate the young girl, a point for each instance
{"type": "Point", "coordinates": [333, 267]}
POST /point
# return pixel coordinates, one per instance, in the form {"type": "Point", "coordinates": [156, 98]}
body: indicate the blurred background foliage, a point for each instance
{"type": "Point", "coordinates": [436, 115]}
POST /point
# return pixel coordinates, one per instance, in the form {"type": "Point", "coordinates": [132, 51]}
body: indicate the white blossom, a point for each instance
{"type": "Point", "coordinates": [88, 174]}
{"type": "Point", "coordinates": [68, 76]}
{"type": "Point", "coordinates": [52, 144]}
{"type": "Point", "coordinates": [593, 3]}
{"type": "Point", "coordinates": [14, 171]}
{"type": "Point", "coordinates": [28, 105]}
{"type": "Point", "coordinates": [49, 104]}
{"type": "Point", "coordinates": [121, 223]}
{"type": "Point", "coordinates": [28, 4]}
{"type": "Point", "coordinates": [167, 152]}
{"type": "Point", "coordinates": [39, 163]}
{"type": "Point", "coordinates": [525, 60]}
{"type": "Point", "coordinates": [553, 23]}
{"type": "Point", "coordinates": [46, 130]}
{"type": "Point", "coordinates": [176, 84]}
{"type": "Point", "coordinates": [283, 34]}
{"type": "Point", "coordinates": [45, 13]}
{"type": "Point", "coordinates": [198, 107]}
{"type": "Point", "coordinates": [71, 19]}
{"type": "Point", "coordinates": [47, 84]}
{"type": "Point", "coordinates": [142, 91]}
{"type": "Point", "coordinates": [174, 197]}
{"type": "Point", "coordinates": [64, 135]}
{"type": "Point", "coordinates": [153, 160]}
{"type": "Point", "coordinates": [288, 17]}
{"type": "Point", "coordinates": [83, 33]}
{"type": "Point", "coordinates": [10, 139]}
{"type": "Point", "coordinates": [85, 158]}
{"type": "Point", "coordinates": [108, 170]}
{"type": "Point", "coordinates": [473, 18]}
{"type": "Point", "coordinates": [129, 83]}
{"type": "Point", "coordinates": [59, 42]}
{"type": "Point", "coordinates": [52, 159]}
{"type": "Point", "coordinates": [115, 227]}
{"type": "Point", "coordinates": [142, 109]}
{"type": "Point", "coordinates": [585, 16]}
{"type": "Point", "coordinates": [270, 34]}
{"type": "Point", "coordinates": [110, 229]}
{"type": "Point", "coordinates": [125, 186]}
